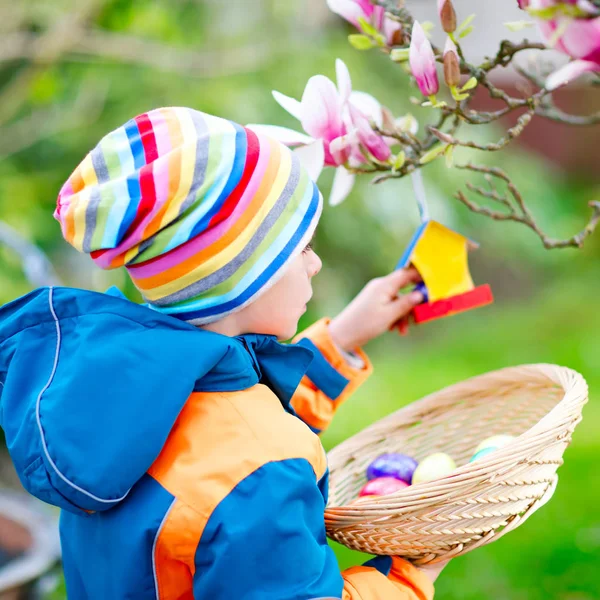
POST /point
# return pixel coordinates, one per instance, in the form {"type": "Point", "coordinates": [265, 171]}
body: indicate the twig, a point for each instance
{"type": "Point", "coordinates": [519, 212]}
{"type": "Point", "coordinates": [555, 114]}
{"type": "Point", "coordinates": [511, 134]}
{"type": "Point", "coordinates": [491, 194]}
{"type": "Point", "coordinates": [507, 52]}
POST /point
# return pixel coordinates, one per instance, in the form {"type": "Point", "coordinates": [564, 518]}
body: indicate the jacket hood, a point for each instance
{"type": "Point", "coordinates": [91, 385]}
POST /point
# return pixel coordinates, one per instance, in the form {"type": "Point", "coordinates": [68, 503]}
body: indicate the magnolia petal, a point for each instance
{"type": "Point", "coordinates": [588, 7]}
{"type": "Point", "coordinates": [286, 136]}
{"type": "Point", "coordinates": [422, 61]}
{"type": "Point", "coordinates": [291, 105]}
{"type": "Point", "coordinates": [347, 9]}
{"type": "Point", "coordinates": [312, 157]}
{"type": "Point", "coordinates": [367, 7]}
{"type": "Point", "coordinates": [378, 17]}
{"type": "Point", "coordinates": [343, 182]}
{"type": "Point", "coordinates": [373, 142]}
{"type": "Point", "coordinates": [581, 39]}
{"type": "Point", "coordinates": [450, 47]}
{"type": "Point", "coordinates": [369, 106]}
{"type": "Point", "coordinates": [344, 83]}
{"type": "Point", "coordinates": [570, 72]}
{"type": "Point", "coordinates": [341, 148]}
{"type": "Point", "coordinates": [321, 109]}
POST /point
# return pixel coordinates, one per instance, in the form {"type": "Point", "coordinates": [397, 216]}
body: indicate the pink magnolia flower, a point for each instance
{"type": "Point", "coordinates": [584, 6]}
{"type": "Point", "coordinates": [337, 121]}
{"type": "Point", "coordinates": [576, 36]}
{"type": "Point", "coordinates": [353, 10]}
{"type": "Point", "coordinates": [422, 61]}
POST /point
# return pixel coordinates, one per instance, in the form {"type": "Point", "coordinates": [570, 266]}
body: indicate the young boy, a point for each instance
{"type": "Point", "coordinates": [179, 438]}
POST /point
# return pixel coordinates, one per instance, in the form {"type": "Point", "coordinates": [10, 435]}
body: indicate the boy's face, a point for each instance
{"type": "Point", "coordinates": [279, 309]}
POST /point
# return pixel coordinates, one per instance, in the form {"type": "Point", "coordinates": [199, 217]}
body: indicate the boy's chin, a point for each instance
{"type": "Point", "coordinates": [287, 333]}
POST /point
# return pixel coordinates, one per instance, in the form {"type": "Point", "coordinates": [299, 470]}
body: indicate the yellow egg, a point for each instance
{"type": "Point", "coordinates": [496, 441]}
{"type": "Point", "coordinates": [434, 466]}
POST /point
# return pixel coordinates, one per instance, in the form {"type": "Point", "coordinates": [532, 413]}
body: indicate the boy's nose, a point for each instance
{"type": "Point", "coordinates": [315, 264]}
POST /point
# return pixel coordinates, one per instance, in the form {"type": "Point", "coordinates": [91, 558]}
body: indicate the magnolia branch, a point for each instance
{"type": "Point", "coordinates": [516, 209]}
{"type": "Point", "coordinates": [503, 58]}
{"type": "Point", "coordinates": [511, 134]}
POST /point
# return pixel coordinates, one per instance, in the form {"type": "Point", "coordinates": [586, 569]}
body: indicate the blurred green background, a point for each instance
{"type": "Point", "coordinates": [72, 71]}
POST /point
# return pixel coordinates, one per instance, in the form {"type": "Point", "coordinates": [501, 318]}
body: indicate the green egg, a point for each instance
{"type": "Point", "coordinates": [483, 452]}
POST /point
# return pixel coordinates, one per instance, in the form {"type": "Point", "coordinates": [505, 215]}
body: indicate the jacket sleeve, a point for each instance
{"type": "Point", "coordinates": [330, 379]}
{"type": "Point", "coordinates": [266, 541]}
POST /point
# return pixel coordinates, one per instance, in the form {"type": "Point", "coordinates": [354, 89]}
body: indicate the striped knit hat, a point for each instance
{"type": "Point", "coordinates": [204, 213]}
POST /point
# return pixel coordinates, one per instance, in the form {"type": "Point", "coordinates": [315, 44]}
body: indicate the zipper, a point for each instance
{"type": "Point", "coordinates": [253, 358]}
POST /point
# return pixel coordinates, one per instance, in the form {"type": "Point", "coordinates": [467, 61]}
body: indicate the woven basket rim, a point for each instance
{"type": "Point", "coordinates": [466, 475]}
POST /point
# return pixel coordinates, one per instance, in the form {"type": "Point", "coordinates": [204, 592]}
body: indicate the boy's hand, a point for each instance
{"type": "Point", "coordinates": [432, 571]}
{"type": "Point", "coordinates": [376, 308]}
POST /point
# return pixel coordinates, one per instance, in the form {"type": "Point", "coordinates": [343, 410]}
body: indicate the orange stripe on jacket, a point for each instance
{"type": "Point", "coordinates": [174, 552]}
{"type": "Point", "coordinates": [219, 439]}
{"type": "Point", "coordinates": [312, 405]}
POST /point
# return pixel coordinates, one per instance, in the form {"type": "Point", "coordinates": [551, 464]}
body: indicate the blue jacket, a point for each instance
{"type": "Point", "coordinates": [177, 454]}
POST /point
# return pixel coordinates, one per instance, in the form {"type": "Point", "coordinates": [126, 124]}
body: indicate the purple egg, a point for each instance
{"type": "Point", "coordinates": [382, 486]}
{"type": "Point", "coordinates": [392, 464]}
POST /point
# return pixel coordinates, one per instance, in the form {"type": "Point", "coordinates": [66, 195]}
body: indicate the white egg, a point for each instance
{"type": "Point", "coordinates": [434, 466]}
{"type": "Point", "coordinates": [496, 441]}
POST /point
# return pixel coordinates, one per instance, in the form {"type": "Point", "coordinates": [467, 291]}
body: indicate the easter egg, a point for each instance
{"type": "Point", "coordinates": [434, 466]}
{"type": "Point", "coordinates": [483, 452]}
{"type": "Point", "coordinates": [496, 441]}
{"type": "Point", "coordinates": [392, 464]}
{"type": "Point", "coordinates": [361, 500]}
{"type": "Point", "coordinates": [382, 486]}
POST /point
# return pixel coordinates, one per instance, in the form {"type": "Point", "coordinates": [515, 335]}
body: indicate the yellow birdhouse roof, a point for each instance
{"type": "Point", "coordinates": [440, 256]}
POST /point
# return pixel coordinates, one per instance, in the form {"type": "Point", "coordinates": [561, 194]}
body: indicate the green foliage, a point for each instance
{"type": "Point", "coordinates": [553, 555]}
{"type": "Point", "coordinates": [544, 300]}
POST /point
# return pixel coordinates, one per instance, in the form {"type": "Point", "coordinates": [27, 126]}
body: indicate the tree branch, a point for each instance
{"type": "Point", "coordinates": [518, 210]}
{"type": "Point", "coordinates": [511, 134]}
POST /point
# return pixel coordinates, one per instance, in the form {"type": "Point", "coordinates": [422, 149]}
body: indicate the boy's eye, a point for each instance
{"type": "Point", "coordinates": [308, 248]}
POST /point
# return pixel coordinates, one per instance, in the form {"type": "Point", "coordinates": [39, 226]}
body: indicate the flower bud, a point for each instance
{"type": "Point", "coordinates": [397, 38]}
{"type": "Point", "coordinates": [447, 15]}
{"type": "Point", "coordinates": [422, 61]}
{"type": "Point", "coordinates": [451, 64]}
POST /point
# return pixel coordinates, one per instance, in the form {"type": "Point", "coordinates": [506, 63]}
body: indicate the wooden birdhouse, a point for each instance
{"type": "Point", "coordinates": [440, 256]}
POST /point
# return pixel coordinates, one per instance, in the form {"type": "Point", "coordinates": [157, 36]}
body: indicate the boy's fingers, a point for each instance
{"type": "Point", "coordinates": [405, 303]}
{"type": "Point", "coordinates": [402, 277]}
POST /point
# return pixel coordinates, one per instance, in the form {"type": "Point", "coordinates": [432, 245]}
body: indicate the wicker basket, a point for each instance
{"type": "Point", "coordinates": [480, 501]}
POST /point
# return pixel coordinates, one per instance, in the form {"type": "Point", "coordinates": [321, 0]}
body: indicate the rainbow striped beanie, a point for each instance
{"type": "Point", "coordinates": [203, 213]}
